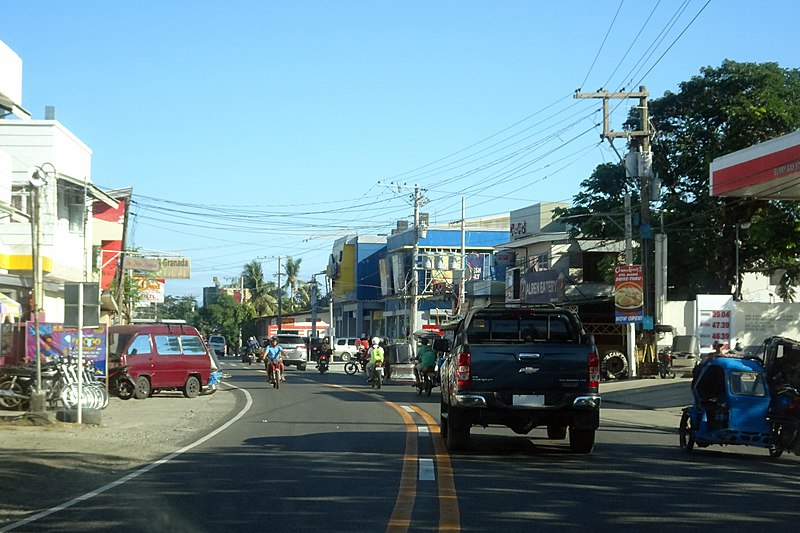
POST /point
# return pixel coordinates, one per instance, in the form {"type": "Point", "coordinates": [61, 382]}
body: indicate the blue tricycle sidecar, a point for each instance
{"type": "Point", "coordinates": [731, 401]}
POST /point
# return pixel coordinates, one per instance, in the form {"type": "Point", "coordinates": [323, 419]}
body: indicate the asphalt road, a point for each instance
{"type": "Point", "coordinates": [327, 453]}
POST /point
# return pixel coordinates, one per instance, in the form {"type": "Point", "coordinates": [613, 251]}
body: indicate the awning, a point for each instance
{"type": "Point", "coordinates": [91, 189]}
{"type": "Point", "coordinates": [9, 308]}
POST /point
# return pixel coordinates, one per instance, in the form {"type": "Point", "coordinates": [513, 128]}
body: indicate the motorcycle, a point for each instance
{"type": "Point", "coordinates": [665, 364]}
{"type": "Point", "coordinates": [352, 366]}
{"type": "Point", "coordinates": [426, 383]}
{"type": "Point", "coordinates": [784, 420]}
{"type": "Point", "coordinates": [16, 384]}
{"type": "Point", "coordinates": [322, 363]}
{"type": "Point", "coordinates": [275, 373]}
{"type": "Point", "coordinates": [377, 375]}
{"type": "Point", "coordinates": [120, 382]}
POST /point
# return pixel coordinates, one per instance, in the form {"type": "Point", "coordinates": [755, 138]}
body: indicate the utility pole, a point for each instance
{"type": "Point", "coordinates": [280, 299]}
{"type": "Point", "coordinates": [415, 272]}
{"type": "Point", "coordinates": [643, 171]}
{"type": "Point", "coordinates": [462, 282]}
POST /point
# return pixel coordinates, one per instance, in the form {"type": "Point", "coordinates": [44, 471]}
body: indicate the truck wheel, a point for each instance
{"type": "Point", "coordinates": [443, 420]}
{"type": "Point", "coordinates": [458, 427]}
{"type": "Point", "coordinates": [556, 432]}
{"type": "Point", "coordinates": [581, 440]}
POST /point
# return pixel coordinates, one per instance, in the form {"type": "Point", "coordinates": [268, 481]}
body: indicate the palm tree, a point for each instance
{"type": "Point", "coordinates": [292, 269]}
{"type": "Point", "coordinates": [263, 295]}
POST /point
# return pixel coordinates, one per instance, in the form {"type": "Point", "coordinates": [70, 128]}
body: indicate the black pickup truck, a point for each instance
{"type": "Point", "coordinates": [521, 367]}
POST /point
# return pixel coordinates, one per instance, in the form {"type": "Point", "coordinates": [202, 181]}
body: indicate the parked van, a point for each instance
{"type": "Point", "coordinates": [160, 356]}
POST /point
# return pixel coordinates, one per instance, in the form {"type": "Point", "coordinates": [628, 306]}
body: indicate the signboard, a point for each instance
{"type": "Point", "coordinates": [543, 286]}
{"type": "Point", "coordinates": [628, 294]}
{"type": "Point", "coordinates": [56, 340]}
{"type": "Point", "coordinates": [150, 291]}
{"type": "Point", "coordinates": [713, 319]}
{"type": "Point", "coordinates": [161, 267]}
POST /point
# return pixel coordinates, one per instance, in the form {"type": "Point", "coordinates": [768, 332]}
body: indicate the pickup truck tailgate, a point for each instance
{"type": "Point", "coordinates": [530, 368]}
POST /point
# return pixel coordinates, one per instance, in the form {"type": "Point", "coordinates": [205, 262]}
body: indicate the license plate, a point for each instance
{"type": "Point", "coordinates": [528, 400]}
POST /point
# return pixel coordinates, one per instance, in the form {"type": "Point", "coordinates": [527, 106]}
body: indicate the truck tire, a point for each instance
{"type": "Point", "coordinates": [615, 364]}
{"type": "Point", "coordinates": [581, 440]}
{"type": "Point", "coordinates": [556, 432]}
{"type": "Point", "coordinates": [458, 427]}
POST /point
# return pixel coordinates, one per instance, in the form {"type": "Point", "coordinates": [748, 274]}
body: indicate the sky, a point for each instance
{"type": "Point", "coordinates": [251, 130]}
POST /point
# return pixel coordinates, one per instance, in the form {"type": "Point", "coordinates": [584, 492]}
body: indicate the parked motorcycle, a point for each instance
{"type": "Point", "coordinates": [120, 382]}
{"type": "Point", "coordinates": [665, 364]}
{"type": "Point", "coordinates": [784, 419]}
{"type": "Point", "coordinates": [322, 363]}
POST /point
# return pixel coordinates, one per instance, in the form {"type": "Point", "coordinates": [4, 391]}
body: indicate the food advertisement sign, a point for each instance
{"type": "Point", "coordinates": [628, 294]}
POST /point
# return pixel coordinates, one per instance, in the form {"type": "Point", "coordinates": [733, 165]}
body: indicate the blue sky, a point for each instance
{"type": "Point", "coordinates": [253, 129]}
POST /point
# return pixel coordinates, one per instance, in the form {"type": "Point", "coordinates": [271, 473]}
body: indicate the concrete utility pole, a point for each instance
{"type": "Point", "coordinates": [280, 300]}
{"type": "Point", "coordinates": [415, 272]}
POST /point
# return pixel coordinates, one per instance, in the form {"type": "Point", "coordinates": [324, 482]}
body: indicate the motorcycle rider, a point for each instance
{"type": "Point", "coordinates": [375, 356]}
{"type": "Point", "coordinates": [362, 347]}
{"type": "Point", "coordinates": [426, 363]}
{"type": "Point", "coordinates": [273, 355]}
{"type": "Point", "coordinates": [324, 350]}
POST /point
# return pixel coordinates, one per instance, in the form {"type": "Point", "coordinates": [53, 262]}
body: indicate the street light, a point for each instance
{"type": "Point", "coordinates": [738, 293]}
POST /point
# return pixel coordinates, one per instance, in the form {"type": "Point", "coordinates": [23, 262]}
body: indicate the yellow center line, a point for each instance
{"type": "Point", "coordinates": [400, 520]}
{"type": "Point", "coordinates": [449, 515]}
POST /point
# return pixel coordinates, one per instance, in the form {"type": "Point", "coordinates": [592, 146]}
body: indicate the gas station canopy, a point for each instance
{"type": "Point", "coordinates": [769, 170]}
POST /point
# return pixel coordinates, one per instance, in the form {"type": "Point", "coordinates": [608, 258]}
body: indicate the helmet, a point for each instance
{"type": "Point", "coordinates": [376, 340]}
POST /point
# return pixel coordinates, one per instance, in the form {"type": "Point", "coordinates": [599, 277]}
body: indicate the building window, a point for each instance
{"type": "Point", "coordinates": [71, 205]}
{"type": "Point", "coordinates": [20, 200]}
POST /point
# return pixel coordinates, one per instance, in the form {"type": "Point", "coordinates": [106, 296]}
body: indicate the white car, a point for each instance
{"type": "Point", "coordinates": [344, 348]}
{"type": "Point", "coordinates": [218, 344]}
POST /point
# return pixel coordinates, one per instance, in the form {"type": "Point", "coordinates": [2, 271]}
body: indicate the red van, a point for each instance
{"type": "Point", "coordinates": [160, 356]}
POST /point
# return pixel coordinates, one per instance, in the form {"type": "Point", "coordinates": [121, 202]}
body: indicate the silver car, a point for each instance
{"type": "Point", "coordinates": [294, 350]}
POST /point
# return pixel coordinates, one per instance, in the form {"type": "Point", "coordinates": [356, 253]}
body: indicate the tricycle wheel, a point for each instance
{"type": "Point", "coordinates": [686, 433]}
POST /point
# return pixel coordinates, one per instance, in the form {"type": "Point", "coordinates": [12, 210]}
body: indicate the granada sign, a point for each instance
{"type": "Point", "coordinates": [161, 267]}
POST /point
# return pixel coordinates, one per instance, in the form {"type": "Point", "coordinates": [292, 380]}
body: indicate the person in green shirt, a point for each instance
{"type": "Point", "coordinates": [426, 363]}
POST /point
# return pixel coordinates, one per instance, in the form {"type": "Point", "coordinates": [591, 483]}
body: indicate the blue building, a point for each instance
{"type": "Point", "coordinates": [373, 275]}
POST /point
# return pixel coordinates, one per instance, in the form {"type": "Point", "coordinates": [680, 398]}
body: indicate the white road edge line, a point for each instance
{"type": "Point", "coordinates": [426, 471]}
{"type": "Point", "coordinates": [139, 472]}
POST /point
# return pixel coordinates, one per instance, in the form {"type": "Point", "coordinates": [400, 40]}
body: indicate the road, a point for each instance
{"type": "Point", "coordinates": [327, 453]}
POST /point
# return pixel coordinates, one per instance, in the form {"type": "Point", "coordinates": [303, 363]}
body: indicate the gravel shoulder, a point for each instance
{"type": "Point", "coordinates": [50, 464]}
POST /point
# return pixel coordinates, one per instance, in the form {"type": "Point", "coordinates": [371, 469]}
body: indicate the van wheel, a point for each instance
{"type": "Point", "coordinates": [142, 388]}
{"type": "Point", "coordinates": [192, 387]}
{"type": "Point", "coordinates": [345, 357]}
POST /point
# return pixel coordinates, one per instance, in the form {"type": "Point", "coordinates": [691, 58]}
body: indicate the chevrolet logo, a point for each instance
{"type": "Point", "coordinates": [528, 370]}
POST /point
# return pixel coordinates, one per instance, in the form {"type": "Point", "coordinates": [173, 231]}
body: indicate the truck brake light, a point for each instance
{"type": "Point", "coordinates": [594, 370]}
{"type": "Point", "coordinates": [462, 369]}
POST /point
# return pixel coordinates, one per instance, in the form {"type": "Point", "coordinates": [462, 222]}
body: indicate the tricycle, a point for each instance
{"type": "Point", "coordinates": [746, 400]}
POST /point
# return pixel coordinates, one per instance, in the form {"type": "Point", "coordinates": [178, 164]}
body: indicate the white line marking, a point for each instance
{"type": "Point", "coordinates": [423, 430]}
{"type": "Point", "coordinates": [426, 472]}
{"type": "Point", "coordinates": [407, 408]}
{"type": "Point", "coordinates": [139, 472]}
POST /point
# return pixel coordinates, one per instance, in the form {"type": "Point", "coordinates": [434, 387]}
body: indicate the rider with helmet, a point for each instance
{"type": "Point", "coordinates": [273, 356]}
{"type": "Point", "coordinates": [375, 356]}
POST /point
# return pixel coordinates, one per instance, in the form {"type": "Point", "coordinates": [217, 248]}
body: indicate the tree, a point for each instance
{"type": "Point", "coordinates": [180, 307]}
{"type": "Point", "coordinates": [263, 295]}
{"type": "Point", "coordinates": [292, 268]}
{"type": "Point", "coordinates": [225, 316]}
{"type": "Point", "coordinates": [723, 110]}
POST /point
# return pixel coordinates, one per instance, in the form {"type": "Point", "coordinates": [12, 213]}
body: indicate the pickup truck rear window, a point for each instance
{"type": "Point", "coordinates": [522, 328]}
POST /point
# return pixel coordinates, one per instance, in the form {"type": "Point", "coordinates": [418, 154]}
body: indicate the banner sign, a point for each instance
{"type": "Point", "coordinates": [56, 340]}
{"type": "Point", "coordinates": [628, 294]}
{"type": "Point", "coordinates": [161, 267]}
{"type": "Point", "coordinates": [543, 286]}
{"type": "Point", "coordinates": [150, 291]}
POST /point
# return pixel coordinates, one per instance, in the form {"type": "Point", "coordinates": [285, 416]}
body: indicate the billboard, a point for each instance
{"type": "Point", "coordinates": [161, 267]}
{"type": "Point", "coordinates": [628, 294]}
{"type": "Point", "coordinates": [150, 291]}
{"type": "Point", "coordinates": [56, 340]}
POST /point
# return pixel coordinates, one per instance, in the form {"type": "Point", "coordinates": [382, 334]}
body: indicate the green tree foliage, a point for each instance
{"type": "Point", "coordinates": [180, 308]}
{"type": "Point", "coordinates": [225, 316]}
{"type": "Point", "coordinates": [723, 110]}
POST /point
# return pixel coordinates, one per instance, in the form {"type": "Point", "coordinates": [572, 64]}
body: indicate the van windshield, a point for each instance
{"type": "Point", "coordinates": [116, 343]}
